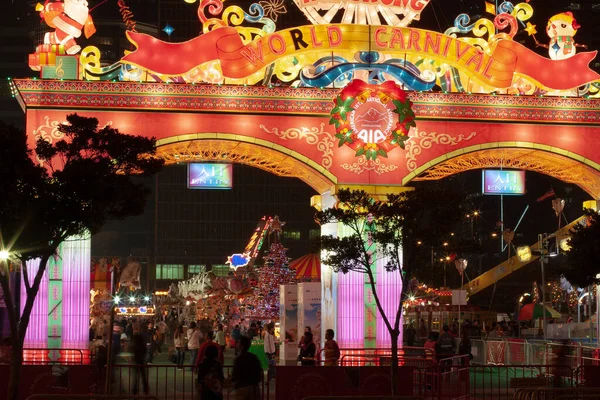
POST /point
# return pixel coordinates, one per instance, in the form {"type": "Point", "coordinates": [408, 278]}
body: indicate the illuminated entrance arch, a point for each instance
{"type": "Point", "coordinates": [479, 96]}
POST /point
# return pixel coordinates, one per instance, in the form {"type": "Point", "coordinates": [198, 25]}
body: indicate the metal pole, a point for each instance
{"type": "Point", "coordinates": [542, 255]}
{"type": "Point", "coordinates": [597, 314]}
{"type": "Point", "coordinates": [462, 279]}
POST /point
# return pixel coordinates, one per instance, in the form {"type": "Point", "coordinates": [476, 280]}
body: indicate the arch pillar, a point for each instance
{"type": "Point", "coordinates": [348, 306]}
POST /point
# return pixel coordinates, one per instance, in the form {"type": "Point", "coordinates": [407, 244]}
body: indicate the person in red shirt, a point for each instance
{"type": "Point", "coordinates": [205, 345]}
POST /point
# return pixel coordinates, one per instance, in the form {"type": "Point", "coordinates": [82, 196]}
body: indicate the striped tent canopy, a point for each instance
{"type": "Point", "coordinates": [307, 267]}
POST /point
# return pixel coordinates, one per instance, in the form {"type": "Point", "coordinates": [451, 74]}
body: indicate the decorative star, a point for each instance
{"type": "Point", "coordinates": [530, 29]}
{"type": "Point", "coordinates": [168, 29]}
{"type": "Point", "coordinates": [273, 8]}
{"type": "Point", "coordinates": [490, 8]}
{"type": "Point", "coordinates": [238, 260]}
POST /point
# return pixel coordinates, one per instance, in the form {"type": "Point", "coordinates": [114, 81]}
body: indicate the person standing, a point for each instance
{"type": "Point", "coordinates": [331, 349]}
{"type": "Point", "coordinates": [139, 351]}
{"type": "Point", "coordinates": [247, 373]}
{"type": "Point", "coordinates": [236, 334]}
{"type": "Point", "coordinates": [445, 343]}
{"type": "Point", "coordinates": [220, 338]}
{"type": "Point", "coordinates": [251, 333]}
{"type": "Point", "coordinates": [269, 346]}
{"type": "Point", "coordinates": [193, 337]}
{"type": "Point", "coordinates": [205, 345]}
{"type": "Point", "coordinates": [307, 356]}
{"type": "Point", "coordinates": [210, 376]}
{"type": "Point", "coordinates": [180, 340]}
{"type": "Point", "coordinates": [301, 343]}
{"type": "Point", "coordinates": [150, 338]}
{"type": "Point", "coordinates": [161, 334]}
{"type": "Point", "coordinates": [464, 347]}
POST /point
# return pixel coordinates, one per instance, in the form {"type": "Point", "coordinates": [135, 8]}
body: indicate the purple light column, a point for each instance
{"type": "Point", "coordinates": [351, 310]}
{"type": "Point", "coordinates": [76, 256]}
{"type": "Point", "coordinates": [389, 288]}
{"type": "Point", "coordinates": [37, 330]}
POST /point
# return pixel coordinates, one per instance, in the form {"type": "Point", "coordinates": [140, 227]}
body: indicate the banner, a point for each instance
{"type": "Point", "coordinates": [239, 60]}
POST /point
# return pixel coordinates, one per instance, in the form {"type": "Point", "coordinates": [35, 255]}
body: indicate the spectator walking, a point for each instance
{"type": "Point", "coordinates": [220, 338]}
{"type": "Point", "coordinates": [193, 338]}
{"type": "Point", "coordinates": [149, 338]}
{"type": "Point", "coordinates": [140, 350]}
{"type": "Point", "coordinates": [236, 334]}
{"type": "Point", "coordinates": [410, 335]}
{"type": "Point", "coordinates": [422, 331]}
{"type": "Point", "coordinates": [331, 349]}
{"type": "Point", "coordinates": [180, 341]}
{"type": "Point", "coordinates": [210, 376]}
{"type": "Point", "coordinates": [269, 346]}
{"type": "Point", "coordinates": [307, 356]}
{"type": "Point", "coordinates": [247, 373]}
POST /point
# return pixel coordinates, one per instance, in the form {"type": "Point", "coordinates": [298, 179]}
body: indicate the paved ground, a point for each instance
{"type": "Point", "coordinates": [165, 380]}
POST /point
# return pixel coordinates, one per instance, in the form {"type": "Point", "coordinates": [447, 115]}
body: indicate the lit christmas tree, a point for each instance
{"type": "Point", "coordinates": [264, 302]}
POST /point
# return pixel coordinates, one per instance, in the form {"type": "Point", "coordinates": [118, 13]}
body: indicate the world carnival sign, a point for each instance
{"type": "Point", "coordinates": [238, 60]}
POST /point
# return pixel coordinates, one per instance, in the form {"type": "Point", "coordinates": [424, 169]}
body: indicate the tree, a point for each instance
{"type": "Point", "coordinates": [85, 180]}
{"type": "Point", "coordinates": [583, 257]}
{"type": "Point", "coordinates": [275, 271]}
{"type": "Point", "coordinates": [390, 230]}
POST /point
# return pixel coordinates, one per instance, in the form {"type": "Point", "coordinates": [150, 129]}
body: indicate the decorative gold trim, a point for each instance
{"type": "Point", "coordinates": [425, 140]}
{"type": "Point", "coordinates": [317, 136]}
{"type": "Point", "coordinates": [362, 164]}
{"type": "Point", "coordinates": [275, 159]}
{"type": "Point", "coordinates": [567, 167]}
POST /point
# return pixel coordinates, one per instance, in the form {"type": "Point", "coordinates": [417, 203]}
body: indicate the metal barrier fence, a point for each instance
{"type": "Point", "coordinates": [88, 397]}
{"type": "Point", "coordinates": [377, 356]}
{"type": "Point", "coordinates": [557, 394]}
{"type": "Point", "coordinates": [167, 381]}
{"type": "Point", "coordinates": [48, 356]}
{"type": "Point", "coordinates": [497, 382]}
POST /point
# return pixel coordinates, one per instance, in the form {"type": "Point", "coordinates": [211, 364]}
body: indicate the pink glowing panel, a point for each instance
{"type": "Point", "coordinates": [37, 330]}
{"type": "Point", "coordinates": [389, 288]}
{"type": "Point", "coordinates": [350, 310]}
{"type": "Point", "coordinates": [76, 256]}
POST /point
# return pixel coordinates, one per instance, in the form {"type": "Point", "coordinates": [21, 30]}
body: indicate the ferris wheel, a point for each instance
{"type": "Point", "coordinates": [362, 12]}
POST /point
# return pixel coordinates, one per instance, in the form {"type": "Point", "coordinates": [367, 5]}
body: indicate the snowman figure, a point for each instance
{"type": "Point", "coordinates": [561, 29]}
{"type": "Point", "coordinates": [67, 18]}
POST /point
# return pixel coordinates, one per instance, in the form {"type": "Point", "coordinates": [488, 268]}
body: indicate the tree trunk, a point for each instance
{"type": "Point", "coordinates": [394, 372]}
{"type": "Point", "coordinates": [15, 370]}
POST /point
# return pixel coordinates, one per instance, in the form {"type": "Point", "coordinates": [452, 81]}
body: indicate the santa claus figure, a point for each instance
{"type": "Point", "coordinates": [68, 19]}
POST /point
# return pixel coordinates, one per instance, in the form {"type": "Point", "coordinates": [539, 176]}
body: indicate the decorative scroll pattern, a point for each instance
{"type": "Point", "coordinates": [317, 136]}
{"type": "Point", "coordinates": [362, 164]}
{"type": "Point", "coordinates": [425, 140]}
{"type": "Point", "coordinates": [48, 131]}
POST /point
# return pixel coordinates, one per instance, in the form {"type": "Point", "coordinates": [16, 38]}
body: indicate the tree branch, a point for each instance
{"type": "Point", "coordinates": [31, 295]}
{"type": "Point", "coordinates": [25, 276]}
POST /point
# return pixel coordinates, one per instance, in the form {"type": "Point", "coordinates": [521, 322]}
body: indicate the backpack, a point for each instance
{"type": "Point", "coordinates": [446, 343]}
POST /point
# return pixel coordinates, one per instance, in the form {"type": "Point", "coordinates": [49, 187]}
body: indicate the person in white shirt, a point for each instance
{"type": "Point", "coordinates": [161, 331]}
{"type": "Point", "coordinates": [269, 346]}
{"type": "Point", "coordinates": [220, 338]}
{"type": "Point", "coordinates": [194, 335]}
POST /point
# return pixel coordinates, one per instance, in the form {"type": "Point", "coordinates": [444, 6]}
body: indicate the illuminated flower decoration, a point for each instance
{"type": "Point", "coordinates": [273, 8]}
{"type": "Point", "coordinates": [372, 119]}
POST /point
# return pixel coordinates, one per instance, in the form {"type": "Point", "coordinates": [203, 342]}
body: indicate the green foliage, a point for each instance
{"type": "Point", "coordinates": [583, 258]}
{"type": "Point", "coordinates": [86, 181]}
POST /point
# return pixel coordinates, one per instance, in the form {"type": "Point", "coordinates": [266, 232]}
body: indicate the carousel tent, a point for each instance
{"type": "Point", "coordinates": [308, 267]}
